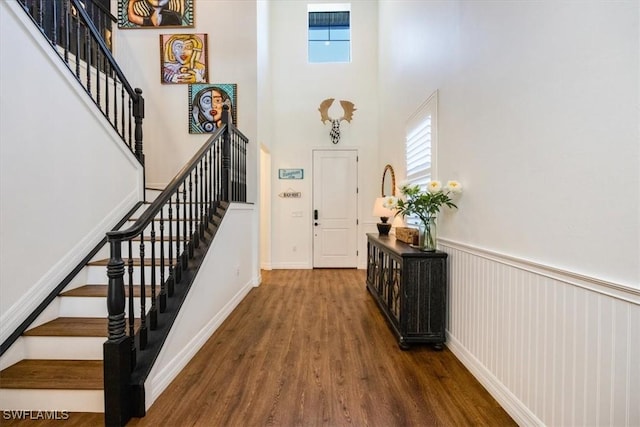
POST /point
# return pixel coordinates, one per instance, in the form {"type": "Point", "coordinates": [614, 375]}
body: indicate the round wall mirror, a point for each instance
{"type": "Point", "coordinates": [388, 182]}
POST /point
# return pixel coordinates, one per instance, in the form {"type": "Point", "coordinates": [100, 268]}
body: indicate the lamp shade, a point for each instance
{"type": "Point", "coordinates": [380, 211]}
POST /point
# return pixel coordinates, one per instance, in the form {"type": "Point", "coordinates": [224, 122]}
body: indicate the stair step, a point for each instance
{"type": "Point", "coordinates": [75, 327]}
{"type": "Point", "coordinates": [53, 374]}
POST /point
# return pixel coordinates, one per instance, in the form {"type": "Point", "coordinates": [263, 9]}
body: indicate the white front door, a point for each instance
{"type": "Point", "coordinates": [335, 208]}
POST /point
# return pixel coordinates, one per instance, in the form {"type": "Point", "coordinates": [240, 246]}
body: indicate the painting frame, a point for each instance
{"type": "Point", "coordinates": [184, 58]}
{"type": "Point", "coordinates": [204, 107]}
{"type": "Point", "coordinates": [140, 14]}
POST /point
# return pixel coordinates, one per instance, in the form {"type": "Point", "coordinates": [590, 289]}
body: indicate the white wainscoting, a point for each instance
{"type": "Point", "coordinates": [554, 348]}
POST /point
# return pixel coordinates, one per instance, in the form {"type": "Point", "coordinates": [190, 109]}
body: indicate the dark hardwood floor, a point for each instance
{"type": "Point", "coordinates": [310, 348]}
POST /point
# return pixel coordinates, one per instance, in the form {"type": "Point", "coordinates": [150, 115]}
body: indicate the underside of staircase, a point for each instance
{"type": "Point", "coordinates": [58, 361]}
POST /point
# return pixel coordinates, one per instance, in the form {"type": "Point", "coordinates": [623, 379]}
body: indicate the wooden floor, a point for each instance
{"type": "Point", "coordinates": [310, 348]}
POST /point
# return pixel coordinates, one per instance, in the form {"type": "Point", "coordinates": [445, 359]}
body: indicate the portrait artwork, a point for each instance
{"type": "Point", "coordinates": [205, 106]}
{"type": "Point", "coordinates": [183, 58]}
{"type": "Point", "coordinates": [155, 13]}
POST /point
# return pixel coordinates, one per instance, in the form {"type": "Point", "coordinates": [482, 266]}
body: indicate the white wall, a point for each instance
{"type": "Point", "coordinates": [56, 154]}
{"type": "Point", "coordinates": [538, 118]}
{"type": "Point", "coordinates": [298, 88]}
{"type": "Point", "coordinates": [168, 145]}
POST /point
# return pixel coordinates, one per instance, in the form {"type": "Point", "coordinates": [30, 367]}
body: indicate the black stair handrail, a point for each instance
{"type": "Point", "coordinates": [72, 33]}
{"type": "Point", "coordinates": [215, 176]}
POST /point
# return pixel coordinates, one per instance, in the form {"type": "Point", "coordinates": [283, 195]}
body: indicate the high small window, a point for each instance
{"type": "Point", "coordinates": [329, 33]}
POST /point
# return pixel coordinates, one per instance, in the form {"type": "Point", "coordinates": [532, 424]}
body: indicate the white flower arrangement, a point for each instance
{"type": "Point", "coordinates": [424, 204]}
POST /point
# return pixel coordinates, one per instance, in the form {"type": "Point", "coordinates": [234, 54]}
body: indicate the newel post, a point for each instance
{"type": "Point", "coordinates": [117, 348]}
{"type": "Point", "coordinates": [138, 115]}
{"type": "Point", "coordinates": [226, 155]}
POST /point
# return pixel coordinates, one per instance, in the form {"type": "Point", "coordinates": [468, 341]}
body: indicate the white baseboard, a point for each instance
{"type": "Point", "coordinates": [291, 266]}
{"type": "Point", "coordinates": [514, 407]}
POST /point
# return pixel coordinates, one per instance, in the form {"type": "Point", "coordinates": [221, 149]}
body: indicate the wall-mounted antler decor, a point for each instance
{"type": "Point", "coordinates": [348, 108]}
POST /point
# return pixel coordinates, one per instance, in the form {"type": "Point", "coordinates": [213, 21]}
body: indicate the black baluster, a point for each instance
{"type": "Point", "coordinates": [138, 114]}
{"type": "Point", "coordinates": [191, 235]}
{"type": "Point", "coordinates": [163, 285]}
{"type": "Point", "coordinates": [171, 280]}
{"type": "Point", "coordinates": [177, 271]}
{"type": "Point", "coordinates": [153, 312]}
{"type": "Point", "coordinates": [130, 119]}
{"type": "Point", "coordinates": [131, 310]}
{"type": "Point", "coordinates": [214, 174]}
{"type": "Point", "coordinates": [217, 170]}
{"type": "Point", "coordinates": [54, 29]}
{"type": "Point", "coordinates": [123, 101]}
{"type": "Point", "coordinates": [99, 56]}
{"type": "Point", "coordinates": [205, 193]}
{"type": "Point", "coordinates": [244, 168]}
{"type": "Point", "coordinates": [197, 207]}
{"type": "Point", "coordinates": [234, 166]}
{"type": "Point", "coordinates": [41, 14]}
{"type": "Point", "coordinates": [77, 52]}
{"type": "Point", "coordinates": [200, 197]}
{"type": "Point", "coordinates": [87, 52]}
{"type": "Point", "coordinates": [67, 31]}
{"type": "Point", "coordinates": [226, 155]}
{"type": "Point", "coordinates": [115, 102]}
{"type": "Point", "coordinates": [210, 184]}
{"type": "Point", "coordinates": [106, 91]}
{"type": "Point", "coordinates": [187, 238]}
{"type": "Point", "coordinates": [143, 302]}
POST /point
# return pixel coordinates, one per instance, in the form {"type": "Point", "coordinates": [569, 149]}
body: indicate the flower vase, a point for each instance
{"type": "Point", "coordinates": [427, 236]}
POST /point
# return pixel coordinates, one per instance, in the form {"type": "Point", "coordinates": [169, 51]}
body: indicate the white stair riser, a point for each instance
{"type": "Point", "coordinates": [94, 306]}
{"type": "Point", "coordinates": [97, 275]}
{"type": "Point", "coordinates": [72, 348]}
{"type": "Point", "coordinates": [105, 252]}
{"type": "Point", "coordinates": [52, 400]}
{"type": "Point", "coordinates": [135, 247]}
{"type": "Point", "coordinates": [175, 220]}
{"type": "Point", "coordinates": [150, 195]}
{"type": "Point", "coordinates": [165, 211]}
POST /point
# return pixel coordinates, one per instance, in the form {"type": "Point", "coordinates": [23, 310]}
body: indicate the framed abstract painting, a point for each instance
{"type": "Point", "coordinates": [205, 105]}
{"type": "Point", "coordinates": [155, 13]}
{"type": "Point", "coordinates": [183, 58]}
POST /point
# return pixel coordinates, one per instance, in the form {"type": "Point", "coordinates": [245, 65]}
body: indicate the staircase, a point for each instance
{"type": "Point", "coordinates": [91, 344]}
{"type": "Point", "coordinates": [61, 355]}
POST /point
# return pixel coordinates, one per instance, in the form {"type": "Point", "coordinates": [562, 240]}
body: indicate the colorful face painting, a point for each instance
{"type": "Point", "coordinates": [205, 106]}
{"type": "Point", "coordinates": [183, 58]}
{"type": "Point", "coordinates": [155, 13]}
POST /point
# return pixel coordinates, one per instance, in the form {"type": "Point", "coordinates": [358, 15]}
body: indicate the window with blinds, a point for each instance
{"type": "Point", "coordinates": [420, 145]}
{"type": "Point", "coordinates": [418, 152]}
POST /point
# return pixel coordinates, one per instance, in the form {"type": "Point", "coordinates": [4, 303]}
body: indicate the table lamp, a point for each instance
{"type": "Point", "coordinates": [384, 213]}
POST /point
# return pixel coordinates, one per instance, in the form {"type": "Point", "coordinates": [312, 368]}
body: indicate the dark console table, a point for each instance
{"type": "Point", "coordinates": [410, 287]}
